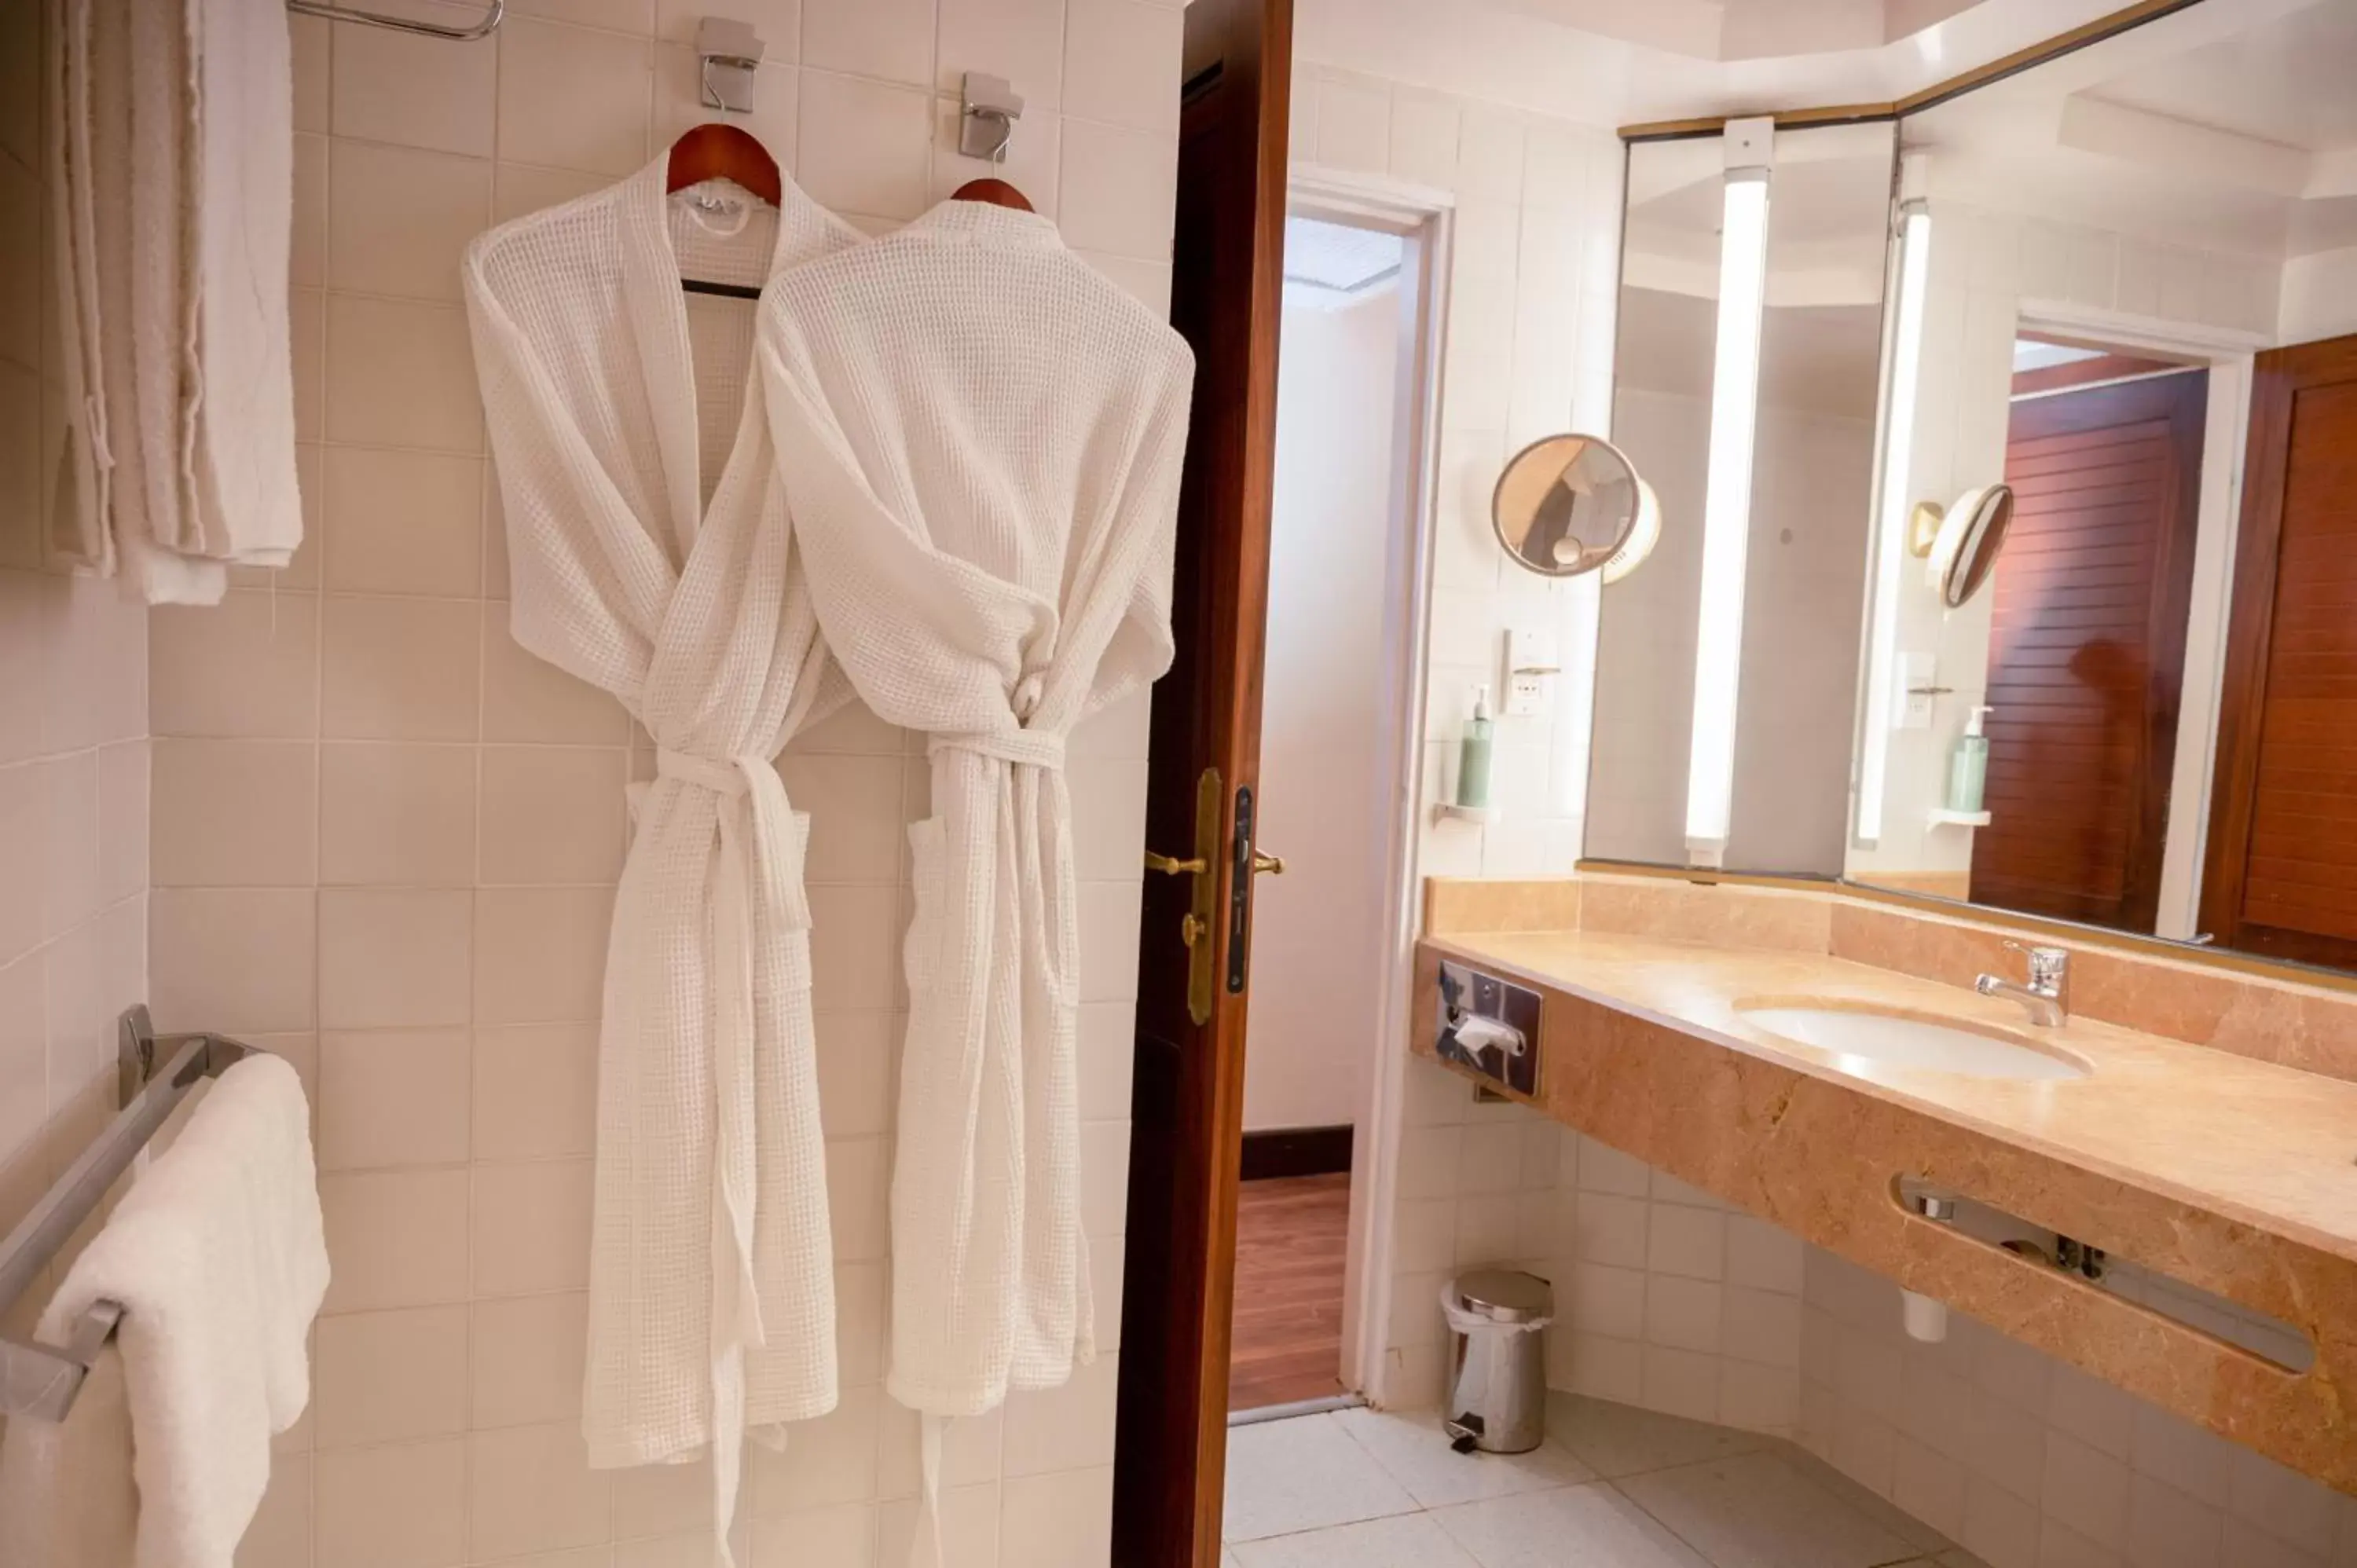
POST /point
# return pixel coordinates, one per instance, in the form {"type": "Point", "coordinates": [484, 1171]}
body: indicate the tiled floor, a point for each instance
{"type": "Point", "coordinates": [1613, 1488]}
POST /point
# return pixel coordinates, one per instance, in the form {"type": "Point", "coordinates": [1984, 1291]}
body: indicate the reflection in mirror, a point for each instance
{"type": "Point", "coordinates": [2111, 701]}
{"type": "Point", "coordinates": [1569, 504]}
{"type": "Point", "coordinates": [1964, 540]}
{"type": "Point", "coordinates": [1804, 560]}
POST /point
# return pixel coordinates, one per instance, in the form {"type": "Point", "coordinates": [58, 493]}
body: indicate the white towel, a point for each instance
{"type": "Point", "coordinates": [174, 186]}
{"type": "Point", "coordinates": [66, 1495]}
{"type": "Point", "coordinates": [218, 1258]}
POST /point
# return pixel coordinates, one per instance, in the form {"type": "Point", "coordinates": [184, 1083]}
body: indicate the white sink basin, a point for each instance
{"type": "Point", "coordinates": [1901, 1039]}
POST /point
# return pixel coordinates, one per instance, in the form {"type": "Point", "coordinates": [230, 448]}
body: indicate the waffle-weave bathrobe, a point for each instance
{"type": "Point", "coordinates": [651, 557]}
{"type": "Point", "coordinates": [980, 440]}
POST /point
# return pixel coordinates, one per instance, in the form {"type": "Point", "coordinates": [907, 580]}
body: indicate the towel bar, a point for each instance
{"type": "Point", "coordinates": [483, 27]}
{"type": "Point", "coordinates": [43, 1380]}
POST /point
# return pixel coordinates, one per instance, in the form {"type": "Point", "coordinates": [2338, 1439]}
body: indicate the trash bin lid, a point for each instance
{"type": "Point", "coordinates": [1505, 1295]}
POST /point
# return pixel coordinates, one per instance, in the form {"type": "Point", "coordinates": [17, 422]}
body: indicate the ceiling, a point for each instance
{"type": "Point", "coordinates": [1611, 62]}
{"type": "Point", "coordinates": [2229, 127]}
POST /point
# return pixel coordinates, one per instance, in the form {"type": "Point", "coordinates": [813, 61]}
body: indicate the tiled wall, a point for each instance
{"type": "Point", "coordinates": [1664, 1297]}
{"type": "Point", "coordinates": [386, 839]}
{"type": "Point", "coordinates": [1530, 301]}
{"type": "Point", "coordinates": [2032, 1464]}
{"type": "Point", "coordinates": [73, 726]}
{"type": "Point", "coordinates": [1529, 354]}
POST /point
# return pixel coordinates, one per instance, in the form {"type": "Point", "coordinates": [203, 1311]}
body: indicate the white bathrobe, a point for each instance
{"type": "Point", "coordinates": [636, 568]}
{"type": "Point", "coordinates": [980, 438]}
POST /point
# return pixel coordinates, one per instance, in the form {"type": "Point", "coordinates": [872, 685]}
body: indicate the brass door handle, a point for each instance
{"type": "Point", "coordinates": [1271, 864]}
{"type": "Point", "coordinates": [1173, 866]}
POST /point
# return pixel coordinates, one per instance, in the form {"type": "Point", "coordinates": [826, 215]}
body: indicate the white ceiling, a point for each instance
{"type": "Point", "coordinates": [2229, 126]}
{"type": "Point", "coordinates": [1609, 62]}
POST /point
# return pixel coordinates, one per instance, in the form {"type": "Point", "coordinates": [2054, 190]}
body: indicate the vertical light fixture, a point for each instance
{"type": "Point", "coordinates": [1893, 486]}
{"type": "Point", "coordinates": [1749, 152]}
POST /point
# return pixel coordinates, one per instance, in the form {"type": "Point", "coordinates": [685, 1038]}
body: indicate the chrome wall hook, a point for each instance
{"type": "Point", "coordinates": [987, 109]}
{"type": "Point", "coordinates": [727, 53]}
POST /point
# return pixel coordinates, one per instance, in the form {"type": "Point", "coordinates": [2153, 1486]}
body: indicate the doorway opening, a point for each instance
{"type": "Point", "coordinates": [1338, 741]}
{"type": "Point", "coordinates": [2089, 611]}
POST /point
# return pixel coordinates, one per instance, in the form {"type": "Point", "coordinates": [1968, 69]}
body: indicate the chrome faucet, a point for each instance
{"type": "Point", "coordinates": [2047, 994]}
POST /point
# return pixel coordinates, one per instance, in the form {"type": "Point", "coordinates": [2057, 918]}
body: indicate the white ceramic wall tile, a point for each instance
{"type": "Point", "coordinates": [1119, 189]}
{"type": "Point", "coordinates": [1022, 40]}
{"type": "Point", "coordinates": [863, 147]}
{"type": "Point", "coordinates": [432, 880]}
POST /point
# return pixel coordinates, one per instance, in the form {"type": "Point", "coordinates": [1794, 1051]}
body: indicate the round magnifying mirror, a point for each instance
{"type": "Point", "coordinates": [1971, 533]}
{"type": "Point", "coordinates": [1566, 504]}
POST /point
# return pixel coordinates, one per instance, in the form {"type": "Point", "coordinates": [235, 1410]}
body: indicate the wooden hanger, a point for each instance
{"type": "Point", "coordinates": [718, 151]}
{"type": "Point", "coordinates": [996, 192]}
{"type": "Point", "coordinates": [722, 152]}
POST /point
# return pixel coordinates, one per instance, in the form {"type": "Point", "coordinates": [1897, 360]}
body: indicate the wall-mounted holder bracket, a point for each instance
{"type": "Point", "coordinates": [988, 107]}
{"type": "Point", "coordinates": [727, 54]}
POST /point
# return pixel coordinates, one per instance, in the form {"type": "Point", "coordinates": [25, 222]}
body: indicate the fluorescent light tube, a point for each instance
{"type": "Point", "coordinates": [1727, 503]}
{"type": "Point", "coordinates": [1895, 486]}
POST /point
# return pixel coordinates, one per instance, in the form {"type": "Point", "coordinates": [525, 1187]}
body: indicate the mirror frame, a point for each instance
{"type": "Point", "coordinates": [1612, 561]}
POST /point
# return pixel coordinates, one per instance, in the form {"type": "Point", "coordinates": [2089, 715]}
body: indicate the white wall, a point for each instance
{"type": "Point", "coordinates": [1326, 748]}
{"type": "Point", "coordinates": [2320, 297]}
{"type": "Point", "coordinates": [386, 838]}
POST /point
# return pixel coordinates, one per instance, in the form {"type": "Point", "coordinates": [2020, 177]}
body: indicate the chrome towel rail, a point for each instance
{"type": "Point", "coordinates": [155, 1074]}
{"type": "Point", "coordinates": [482, 28]}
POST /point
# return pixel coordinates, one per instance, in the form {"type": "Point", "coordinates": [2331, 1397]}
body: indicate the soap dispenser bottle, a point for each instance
{"type": "Point", "coordinates": [1968, 769]}
{"type": "Point", "coordinates": [1473, 755]}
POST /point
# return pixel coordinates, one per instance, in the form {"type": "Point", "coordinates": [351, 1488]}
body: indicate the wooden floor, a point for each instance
{"type": "Point", "coordinates": [1291, 1236]}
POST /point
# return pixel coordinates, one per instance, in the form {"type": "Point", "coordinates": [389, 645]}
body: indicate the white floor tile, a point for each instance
{"type": "Point", "coordinates": [1416, 1451]}
{"type": "Point", "coordinates": [1303, 1474]}
{"type": "Point", "coordinates": [1571, 1526]}
{"type": "Point", "coordinates": [1757, 1510]}
{"type": "Point", "coordinates": [1882, 1511]}
{"type": "Point", "coordinates": [1617, 1440]}
{"type": "Point", "coordinates": [1408, 1540]}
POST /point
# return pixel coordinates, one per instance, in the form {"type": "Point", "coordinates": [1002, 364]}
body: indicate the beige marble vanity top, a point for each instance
{"type": "Point", "coordinates": [2199, 1155]}
{"type": "Point", "coordinates": [2269, 1146]}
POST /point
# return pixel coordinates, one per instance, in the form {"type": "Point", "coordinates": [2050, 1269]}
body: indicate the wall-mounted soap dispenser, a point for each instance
{"type": "Point", "coordinates": [1473, 755]}
{"type": "Point", "coordinates": [1969, 766]}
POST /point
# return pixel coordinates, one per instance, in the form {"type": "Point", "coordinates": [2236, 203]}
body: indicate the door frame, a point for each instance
{"type": "Point", "coordinates": [2227, 352]}
{"type": "Point", "coordinates": [1427, 218]}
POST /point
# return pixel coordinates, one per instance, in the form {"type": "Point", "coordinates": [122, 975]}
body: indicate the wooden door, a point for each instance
{"type": "Point", "coordinates": [2281, 878]}
{"type": "Point", "coordinates": [2087, 648]}
{"type": "Point", "coordinates": [1187, 1104]}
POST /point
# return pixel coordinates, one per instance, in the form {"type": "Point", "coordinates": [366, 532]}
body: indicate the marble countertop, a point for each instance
{"type": "Point", "coordinates": [2249, 1141]}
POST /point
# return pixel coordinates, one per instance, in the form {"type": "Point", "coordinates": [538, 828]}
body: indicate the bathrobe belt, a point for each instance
{"type": "Point", "coordinates": [761, 870]}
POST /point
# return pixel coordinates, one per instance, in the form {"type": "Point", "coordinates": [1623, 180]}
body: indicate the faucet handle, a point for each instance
{"type": "Point", "coordinates": [2048, 965]}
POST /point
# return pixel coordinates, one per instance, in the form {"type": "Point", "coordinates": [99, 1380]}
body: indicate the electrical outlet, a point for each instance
{"type": "Point", "coordinates": [1913, 700]}
{"type": "Point", "coordinates": [1530, 659]}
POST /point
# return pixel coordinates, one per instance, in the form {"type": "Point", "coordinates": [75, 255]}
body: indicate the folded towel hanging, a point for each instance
{"type": "Point", "coordinates": [208, 1276]}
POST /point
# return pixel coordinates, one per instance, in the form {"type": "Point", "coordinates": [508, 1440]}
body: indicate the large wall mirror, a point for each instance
{"type": "Point", "coordinates": [1799, 571]}
{"type": "Point", "coordinates": [2098, 659]}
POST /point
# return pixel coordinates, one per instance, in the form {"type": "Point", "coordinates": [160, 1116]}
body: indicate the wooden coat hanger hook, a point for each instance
{"type": "Point", "coordinates": [716, 151]}
{"type": "Point", "coordinates": [996, 192]}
